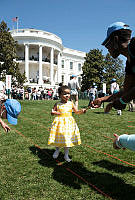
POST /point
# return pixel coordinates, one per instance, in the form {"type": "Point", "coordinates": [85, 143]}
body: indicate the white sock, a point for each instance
{"type": "Point", "coordinates": [66, 157]}
{"type": "Point", "coordinates": [56, 153]}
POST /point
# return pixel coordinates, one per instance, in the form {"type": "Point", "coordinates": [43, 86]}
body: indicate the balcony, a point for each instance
{"type": "Point", "coordinates": [33, 58]}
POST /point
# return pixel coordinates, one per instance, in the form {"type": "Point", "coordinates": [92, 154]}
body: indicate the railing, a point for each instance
{"type": "Point", "coordinates": [36, 59]}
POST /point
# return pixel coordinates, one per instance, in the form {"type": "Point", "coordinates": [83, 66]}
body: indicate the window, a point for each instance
{"type": "Point", "coordinates": [62, 78]}
{"type": "Point", "coordinates": [79, 67]}
{"type": "Point", "coordinates": [62, 63]}
{"type": "Point", "coordinates": [71, 65]}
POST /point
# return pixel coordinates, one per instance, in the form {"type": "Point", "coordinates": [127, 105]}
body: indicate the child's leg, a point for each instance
{"type": "Point", "coordinates": [56, 153]}
{"type": "Point", "coordinates": [66, 157]}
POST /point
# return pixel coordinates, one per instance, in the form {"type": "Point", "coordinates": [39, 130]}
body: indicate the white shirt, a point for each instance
{"type": "Point", "coordinates": [2, 86]}
{"type": "Point", "coordinates": [73, 84]}
{"type": "Point", "coordinates": [114, 86]}
{"type": "Point", "coordinates": [93, 91]}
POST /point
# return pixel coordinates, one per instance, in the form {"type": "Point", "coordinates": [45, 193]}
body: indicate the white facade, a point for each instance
{"type": "Point", "coordinates": [43, 58]}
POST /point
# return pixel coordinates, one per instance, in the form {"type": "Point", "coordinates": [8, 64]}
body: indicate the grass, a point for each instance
{"type": "Point", "coordinates": [28, 171]}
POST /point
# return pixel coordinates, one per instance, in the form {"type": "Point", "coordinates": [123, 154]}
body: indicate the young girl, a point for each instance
{"type": "Point", "coordinates": [64, 131]}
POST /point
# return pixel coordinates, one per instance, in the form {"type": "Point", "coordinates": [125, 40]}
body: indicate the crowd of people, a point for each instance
{"type": "Point", "coordinates": [33, 93]}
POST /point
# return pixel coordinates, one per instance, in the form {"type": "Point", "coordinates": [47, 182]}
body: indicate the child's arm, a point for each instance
{"type": "Point", "coordinates": [78, 111]}
{"type": "Point", "coordinates": [54, 110]}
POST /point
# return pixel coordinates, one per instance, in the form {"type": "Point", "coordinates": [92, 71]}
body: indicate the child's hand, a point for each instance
{"type": "Point", "coordinates": [55, 112]}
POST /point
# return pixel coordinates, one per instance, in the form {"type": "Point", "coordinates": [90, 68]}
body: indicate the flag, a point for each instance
{"type": "Point", "coordinates": [15, 19]}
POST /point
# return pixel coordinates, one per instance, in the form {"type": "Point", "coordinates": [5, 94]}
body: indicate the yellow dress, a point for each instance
{"type": "Point", "coordinates": [64, 131]}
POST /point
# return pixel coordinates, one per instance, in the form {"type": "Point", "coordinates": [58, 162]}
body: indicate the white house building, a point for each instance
{"type": "Point", "coordinates": [44, 59]}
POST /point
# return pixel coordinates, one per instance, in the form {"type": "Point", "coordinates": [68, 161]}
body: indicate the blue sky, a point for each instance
{"type": "Point", "coordinates": [81, 24]}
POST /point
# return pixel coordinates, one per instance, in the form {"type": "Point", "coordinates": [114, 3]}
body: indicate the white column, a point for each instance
{"type": "Point", "coordinates": [27, 62]}
{"type": "Point", "coordinates": [40, 66]}
{"type": "Point", "coordinates": [51, 67]}
{"type": "Point", "coordinates": [67, 66]}
{"type": "Point", "coordinates": [59, 68]}
{"type": "Point", "coordinates": [76, 67]}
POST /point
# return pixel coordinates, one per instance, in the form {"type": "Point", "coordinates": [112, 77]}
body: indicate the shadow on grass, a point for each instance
{"type": "Point", "coordinates": [99, 112]}
{"type": "Point", "coordinates": [114, 186]}
{"type": "Point", "coordinates": [114, 167]}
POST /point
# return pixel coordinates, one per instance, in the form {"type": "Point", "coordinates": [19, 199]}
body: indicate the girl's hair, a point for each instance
{"type": "Point", "coordinates": [62, 88]}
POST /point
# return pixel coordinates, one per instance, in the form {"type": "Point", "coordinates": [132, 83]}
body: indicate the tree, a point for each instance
{"type": "Point", "coordinates": [93, 69]}
{"type": "Point", "coordinates": [113, 69]}
{"type": "Point", "coordinates": [8, 66]}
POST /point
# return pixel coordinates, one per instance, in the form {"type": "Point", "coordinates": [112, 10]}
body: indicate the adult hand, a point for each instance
{"type": "Point", "coordinates": [96, 103]}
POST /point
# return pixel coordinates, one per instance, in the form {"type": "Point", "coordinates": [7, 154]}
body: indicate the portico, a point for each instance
{"type": "Point", "coordinates": [40, 64]}
{"type": "Point", "coordinates": [43, 58]}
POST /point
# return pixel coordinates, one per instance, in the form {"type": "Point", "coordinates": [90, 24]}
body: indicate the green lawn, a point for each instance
{"type": "Point", "coordinates": [97, 171]}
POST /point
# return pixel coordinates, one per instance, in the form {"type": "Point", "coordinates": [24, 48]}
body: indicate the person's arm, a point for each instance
{"type": "Point", "coordinates": [124, 141]}
{"type": "Point", "coordinates": [111, 88]}
{"type": "Point", "coordinates": [54, 110]}
{"type": "Point", "coordinates": [97, 102]}
{"type": "Point", "coordinates": [127, 96]}
{"type": "Point", "coordinates": [78, 111]}
{"type": "Point", "coordinates": [111, 98]}
{"type": "Point", "coordinates": [4, 125]}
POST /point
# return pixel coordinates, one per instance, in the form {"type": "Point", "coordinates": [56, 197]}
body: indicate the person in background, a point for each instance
{"type": "Point", "coordinates": [119, 42]}
{"type": "Point", "coordinates": [34, 94]}
{"type": "Point", "coordinates": [92, 93]}
{"type": "Point", "coordinates": [21, 93]}
{"type": "Point", "coordinates": [74, 87]}
{"type": "Point", "coordinates": [114, 86]}
{"type": "Point", "coordinates": [9, 109]}
{"type": "Point", "coordinates": [2, 90]}
{"type": "Point", "coordinates": [38, 94]}
{"type": "Point", "coordinates": [114, 89]}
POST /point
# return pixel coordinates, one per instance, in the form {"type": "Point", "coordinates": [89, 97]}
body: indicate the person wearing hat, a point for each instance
{"type": "Point", "coordinates": [92, 93]}
{"type": "Point", "coordinates": [119, 42]}
{"type": "Point", "coordinates": [114, 86]}
{"type": "Point", "coordinates": [74, 87]}
{"type": "Point", "coordinates": [114, 89]}
{"type": "Point", "coordinates": [10, 109]}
